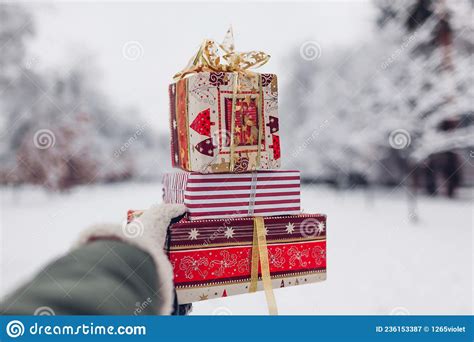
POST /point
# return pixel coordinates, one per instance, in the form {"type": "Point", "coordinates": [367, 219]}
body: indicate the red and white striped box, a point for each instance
{"type": "Point", "coordinates": [229, 195]}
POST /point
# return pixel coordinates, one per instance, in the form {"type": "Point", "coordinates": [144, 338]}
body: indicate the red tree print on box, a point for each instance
{"type": "Point", "coordinates": [206, 147]}
{"type": "Point", "coordinates": [276, 146]}
{"type": "Point", "coordinates": [202, 123]}
{"type": "Point", "coordinates": [273, 124]}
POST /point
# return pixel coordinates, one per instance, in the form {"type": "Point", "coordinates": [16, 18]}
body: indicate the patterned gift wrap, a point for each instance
{"type": "Point", "coordinates": [209, 129]}
{"type": "Point", "coordinates": [212, 258]}
{"type": "Point", "coordinates": [261, 193]}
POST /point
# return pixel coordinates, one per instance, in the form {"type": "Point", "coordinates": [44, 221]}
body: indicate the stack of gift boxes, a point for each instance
{"type": "Point", "coordinates": [244, 230]}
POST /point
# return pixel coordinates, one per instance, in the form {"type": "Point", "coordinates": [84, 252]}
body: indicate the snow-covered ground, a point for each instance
{"type": "Point", "coordinates": [379, 262]}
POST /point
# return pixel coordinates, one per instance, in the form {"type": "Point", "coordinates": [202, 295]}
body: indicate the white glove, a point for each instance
{"type": "Point", "coordinates": [147, 232]}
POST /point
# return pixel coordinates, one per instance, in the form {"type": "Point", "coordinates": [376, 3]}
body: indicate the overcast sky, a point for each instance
{"type": "Point", "coordinates": [169, 33]}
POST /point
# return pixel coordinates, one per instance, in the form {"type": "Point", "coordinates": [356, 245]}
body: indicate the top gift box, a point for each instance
{"type": "Point", "coordinates": [224, 117]}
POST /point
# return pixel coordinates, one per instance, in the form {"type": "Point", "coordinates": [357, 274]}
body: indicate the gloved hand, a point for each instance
{"type": "Point", "coordinates": [147, 232]}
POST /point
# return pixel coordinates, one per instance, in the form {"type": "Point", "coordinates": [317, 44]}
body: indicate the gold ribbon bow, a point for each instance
{"type": "Point", "coordinates": [216, 57]}
{"type": "Point", "coordinates": [260, 252]}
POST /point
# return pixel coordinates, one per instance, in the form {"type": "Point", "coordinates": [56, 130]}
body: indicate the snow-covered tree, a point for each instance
{"type": "Point", "coordinates": [59, 129]}
{"type": "Point", "coordinates": [430, 77]}
{"type": "Point", "coordinates": [383, 102]}
{"type": "Point", "coordinates": [19, 87]}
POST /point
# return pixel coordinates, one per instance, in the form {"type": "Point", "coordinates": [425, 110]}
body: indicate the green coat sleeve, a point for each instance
{"type": "Point", "coordinates": [104, 277]}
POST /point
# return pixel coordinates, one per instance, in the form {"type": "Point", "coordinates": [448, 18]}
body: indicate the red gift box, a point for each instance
{"type": "Point", "coordinates": [217, 127]}
{"type": "Point", "coordinates": [213, 258]}
{"type": "Point", "coordinates": [261, 193]}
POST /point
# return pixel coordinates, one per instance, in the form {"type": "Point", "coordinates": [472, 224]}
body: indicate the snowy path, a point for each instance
{"type": "Point", "coordinates": [379, 262]}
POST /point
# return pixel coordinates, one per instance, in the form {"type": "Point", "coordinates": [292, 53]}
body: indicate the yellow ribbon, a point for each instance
{"type": "Point", "coordinates": [235, 87]}
{"type": "Point", "coordinates": [260, 252]}
{"type": "Point", "coordinates": [215, 57]}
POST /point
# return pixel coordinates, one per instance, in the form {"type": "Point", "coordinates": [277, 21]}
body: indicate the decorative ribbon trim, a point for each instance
{"type": "Point", "coordinates": [260, 252]}
{"type": "Point", "coordinates": [255, 260]}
